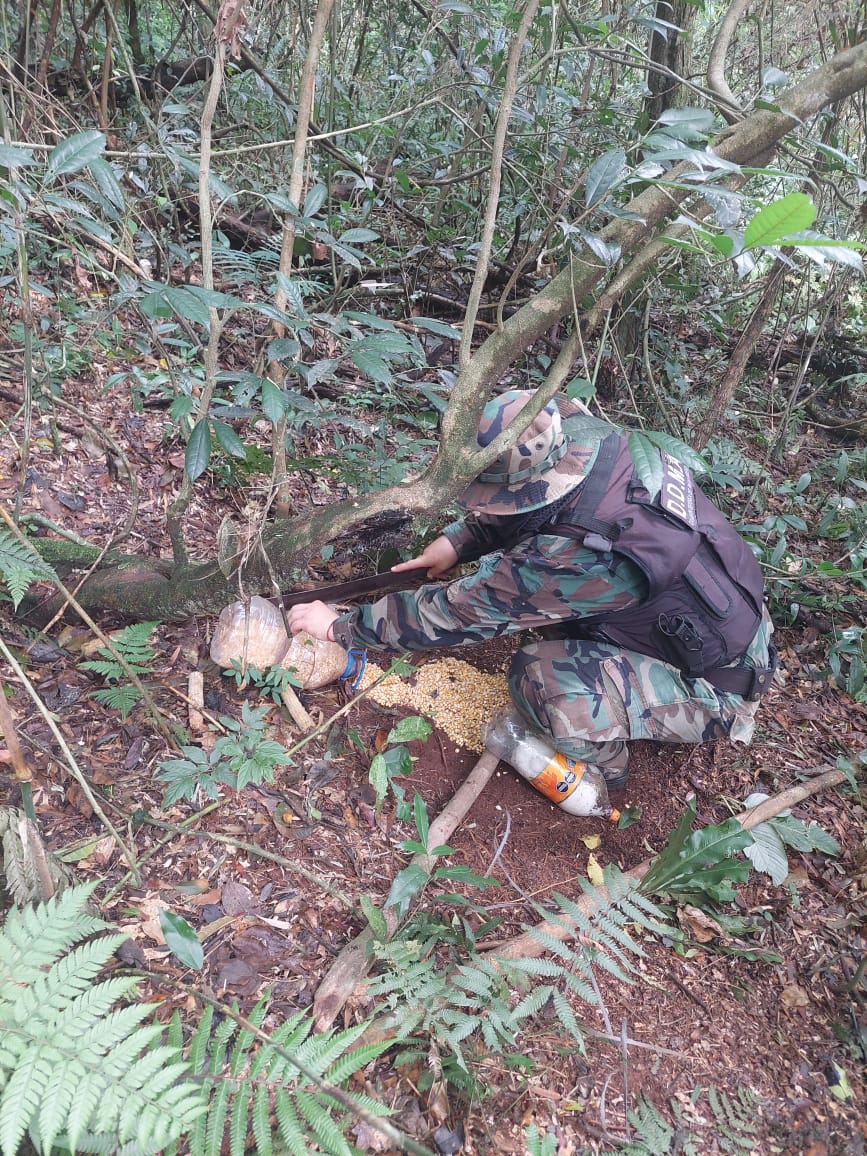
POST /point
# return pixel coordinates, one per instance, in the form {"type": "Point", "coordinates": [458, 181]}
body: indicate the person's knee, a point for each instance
{"type": "Point", "coordinates": [526, 687]}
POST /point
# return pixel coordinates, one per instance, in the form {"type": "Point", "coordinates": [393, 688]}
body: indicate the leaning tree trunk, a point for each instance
{"type": "Point", "coordinates": [142, 591]}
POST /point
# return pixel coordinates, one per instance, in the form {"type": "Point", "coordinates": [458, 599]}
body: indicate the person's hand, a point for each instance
{"type": "Point", "coordinates": [437, 558]}
{"type": "Point", "coordinates": [316, 618]}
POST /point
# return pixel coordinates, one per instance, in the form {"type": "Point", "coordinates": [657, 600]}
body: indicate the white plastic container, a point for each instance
{"type": "Point", "coordinates": [259, 639]}
{"type": "Point", "coordinates": [575, 787]}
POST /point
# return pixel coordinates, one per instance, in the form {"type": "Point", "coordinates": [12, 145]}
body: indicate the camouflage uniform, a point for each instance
{"type": "Point", "coordinates": [588, 696]}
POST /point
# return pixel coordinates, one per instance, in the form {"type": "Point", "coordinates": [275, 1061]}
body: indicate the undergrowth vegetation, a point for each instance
{"type": "Point", "coordinates": [238, 317]}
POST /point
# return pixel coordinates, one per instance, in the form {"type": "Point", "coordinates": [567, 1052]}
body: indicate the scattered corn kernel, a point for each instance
{"type": "Point", "coordinates": [456, 696]}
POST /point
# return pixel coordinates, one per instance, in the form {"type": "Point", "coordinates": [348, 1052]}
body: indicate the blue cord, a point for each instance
{"type": "Point", "coordinates": [355, 667]}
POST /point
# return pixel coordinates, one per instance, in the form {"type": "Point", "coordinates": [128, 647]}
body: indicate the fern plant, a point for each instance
{"type": "Point", "coordinates": [133, 642]}
{"type": "Point", "coordinates": [453, 1001]}
{"type": "Point", "coordinates": [19, 566]}
{"type": "Point", "coordinates": [259, 1096]}
{"type": "Point", "coordinates": [78, 1072]}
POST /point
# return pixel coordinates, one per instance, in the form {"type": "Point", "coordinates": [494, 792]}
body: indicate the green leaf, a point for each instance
{"type": "Point", "coordinates": [198, 450]}
{"type": "Point", "coordinates": [699, 861]}
{"type": "Point", "coordinates": [107, 182]}
{"type": "Point", "coordinates": [678, 449]}
{"type": "Point", "coordinates": [419, 810]}
{"type": "Point", "coordinates": [379, 777]}
{"type": "Point", "coordinates": [407, 884]}
{"type": "Point", "coordinates": [372, 366]}
{"type": "Point", "coordinates": [16, 156]}
{"type": "Point", "coordinates": [690, 122]}
{"type": "Point", "coordinates": [181, 940]}
{"type": "Point", "coordinates": [767, 853]}
{"type": "Point", "coordinates": [358, 236]}
{"type": "Point", "coordinates": [74, 154]}
{"type": "Point", "coordinates": [647, 461]}
{"type": "Point", "coordinates": [791, 214]}
{"type": "Point", "coordinates": [406, 730]}
{"type": "Point", "coordinates": [273, 401]}
{"type": "Point", "coordinates": [229, 440]}
{"type": "Point", "coordinates": [440, 328]}
{"type": "Point", "coordinates": [374, 917]}
{"type": "Point", "coordinates": [314, 200]}
{"type": "Point", "coordinates": [603, 175]}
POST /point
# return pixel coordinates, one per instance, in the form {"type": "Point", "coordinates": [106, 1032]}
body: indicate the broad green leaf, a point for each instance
{"type": "Point", "coordinates": [698, 861]}
{"type": "Point", "coordinates": [697, 121]}
{"type": "Point", "coordinates": [273, 401]}
{"type": "Point", "coordinates": [16, 156]}
{"type": "Point", "coordinates": [314, 200]}
{"type": "Point", "coordinates": [378, 777]}
{"type": "Point", "coordinates": [171, 299]}
{"type": "Point", "coordinates": [372, 366]}
{"type": "Point", "coordinates": [74, 154]}
{"type": "Point", "coordinates": [106, 178]}
{"type": "Point", "coordinates": [804, 836]}
{"type": "Point", "coordinates": [606, 253]}
{"type": "Point", "coordinates": [358, 236]}
{"type": "Point", "coordinates": [440, 328]}
{"type": "Point", "coordinates": [407, 884]}
{"type": "Point", "coordinates": [603, 175]}
{"type": "Point", "coordinates": [198, 453]}
{"type": "Point", "coordinates": [407, 729]}
{"type": "Point", "coordinates": [767, 853]}
{"type": "Point", "coordinates": [228, 439]}
{"type": "Point", "coordinates": [723, 243]}
{"type": "Point", "coordinates": [647, 461]}
{"type": "Point", "coordinates": [181, 940]}
{"type": "Point", "coordinates": [791, 214]}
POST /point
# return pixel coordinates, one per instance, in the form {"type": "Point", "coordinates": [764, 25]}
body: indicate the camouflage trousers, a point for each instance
{"type": "Point", "coordinates": [590, 697]}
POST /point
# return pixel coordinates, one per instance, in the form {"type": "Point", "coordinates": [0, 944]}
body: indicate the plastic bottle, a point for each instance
{"type": "Point", "coordinates": [573, 786]}
{"type": "Point", "coordinates": [259, 638]}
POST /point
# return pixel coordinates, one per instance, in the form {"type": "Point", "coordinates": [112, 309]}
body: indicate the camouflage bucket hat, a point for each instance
{"type": "Point", "coordinates": [542, 467]}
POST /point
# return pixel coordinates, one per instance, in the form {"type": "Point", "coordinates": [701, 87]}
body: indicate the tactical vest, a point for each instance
{"type": "Point", "coordinates": [703, 602]}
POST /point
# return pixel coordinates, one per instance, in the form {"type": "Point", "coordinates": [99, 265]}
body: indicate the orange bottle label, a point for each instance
{"type": "Point", "coordinates": [559, 778]}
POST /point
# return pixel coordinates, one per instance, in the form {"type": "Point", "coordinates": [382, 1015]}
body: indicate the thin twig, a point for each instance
{"type": "Point", "coordinates": [71, 764]}
{"type": "Point", "coordinates": [240, 845]}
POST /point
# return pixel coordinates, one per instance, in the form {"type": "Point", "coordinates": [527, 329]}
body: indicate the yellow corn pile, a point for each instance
{"type": "Point", "coordinates": [457, 697]}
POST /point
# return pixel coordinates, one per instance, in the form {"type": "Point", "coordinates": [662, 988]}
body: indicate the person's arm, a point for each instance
{"type": "Point", "coordinates": [544, 580]}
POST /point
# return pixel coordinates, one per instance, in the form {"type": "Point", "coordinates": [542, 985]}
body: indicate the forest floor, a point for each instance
{"type": "Point", "coordinates": [766, 1036]}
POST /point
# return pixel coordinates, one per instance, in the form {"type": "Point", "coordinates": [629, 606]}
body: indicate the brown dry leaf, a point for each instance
{"type": "Point", "coordinates": [702, 927]}
{"type": "Point", "coordinates": [214, 895]}
{"type": "Point", "coordinates": [238, 899]}
{"type": "Point", "coordinates": [101, 853]}
{"type": "Point", "coordinates": [367, 1139]}
{"type": "Point", "coordinates": [794, 996]}
{"type": "Point", "coordinates": [438, 1102]}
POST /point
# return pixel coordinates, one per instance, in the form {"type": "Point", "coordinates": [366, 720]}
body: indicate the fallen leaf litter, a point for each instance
{"type": "Point", "coordinates": [458, 697]}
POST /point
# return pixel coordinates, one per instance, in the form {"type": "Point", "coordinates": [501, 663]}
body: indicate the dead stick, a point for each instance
{"type": "Point", "coordinates": [353, 962]}
{"type": "Point", "coordinates": [527, 946]}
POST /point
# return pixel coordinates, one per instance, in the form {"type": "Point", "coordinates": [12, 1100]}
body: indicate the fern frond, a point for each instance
{"type": "Point", "coordinates": [71, 1063]}
{"type": "Point", "coordinates": [20, 565]}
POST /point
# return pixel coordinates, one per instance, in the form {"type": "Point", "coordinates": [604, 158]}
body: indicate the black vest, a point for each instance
{"type": "Point", "coordinates": [704, 587]}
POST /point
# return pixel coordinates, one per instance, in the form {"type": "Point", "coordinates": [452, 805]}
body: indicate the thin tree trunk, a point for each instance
{"type": "Point", "coordinates": [296, 190]}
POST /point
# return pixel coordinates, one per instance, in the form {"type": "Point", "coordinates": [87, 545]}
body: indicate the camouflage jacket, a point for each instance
{"type": "Point", "coordinates": [537, 581]}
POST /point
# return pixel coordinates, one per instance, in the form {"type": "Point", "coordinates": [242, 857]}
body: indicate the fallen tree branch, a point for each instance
{"type": "Point", "coordinates": [354, 961]}
{"type": "Point", "coordinates": [527, 946]}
